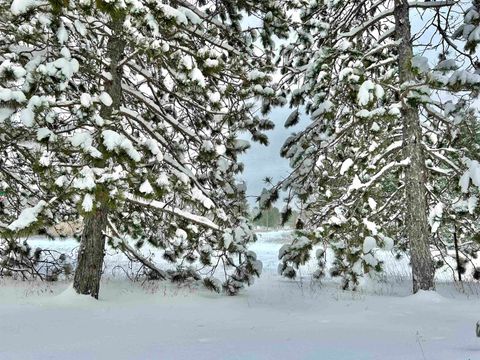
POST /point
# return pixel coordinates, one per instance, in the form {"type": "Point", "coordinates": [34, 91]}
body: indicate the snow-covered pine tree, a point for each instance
{"type": "Point", "coordinates": [385, 97]}
{"type": "Point", "coordinates": [455, 213]}
{"type": "Point", "coordinates": [127, 113]}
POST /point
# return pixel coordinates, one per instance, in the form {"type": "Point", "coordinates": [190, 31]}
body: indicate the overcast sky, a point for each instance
{"type": "Point", "coordinates": [265, 161]}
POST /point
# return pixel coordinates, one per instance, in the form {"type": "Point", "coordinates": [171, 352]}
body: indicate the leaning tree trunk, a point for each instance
{"type": "Point", "coordinates": [90, 257]}
{"type": "Point", "coordinates": [416, 221]}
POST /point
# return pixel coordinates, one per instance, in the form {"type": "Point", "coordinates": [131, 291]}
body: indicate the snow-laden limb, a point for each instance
{"type": "Point", "coordinates": [29, 215]}
{"type": "Point", "coordinates": [355, 31]}
{"type": "Point", "coordinates": [19, 7]}
{"type": "Point", "coordinates": [432, 4]}
{"type": "Point", "coordinates": [363, 186]}
{"type": "Point", "coordinates": [435, 216]}
{"type": "Point", "coordinates": [114, 141]}
{"type": "Point", "coordinates": [346, 165]}
{"type": "Point", "coordinates": [469, 31]}
{"type": "Point", "coordinates": [358, 186]}
{"type": "Point", "coordinates": [161, 113]}
{"type": "Point", "coordinates": [121, 242]}
{"type": "Point", "coordinates": [443, 158]}
{"type": "Point", "coordinates": [164, 207]}
{"type": "Point", "coordinates": [394, 146]}
{"type": "Point", "coordinates": [389, 12]}
{"type": "Point", "coordinates": [157, 136]}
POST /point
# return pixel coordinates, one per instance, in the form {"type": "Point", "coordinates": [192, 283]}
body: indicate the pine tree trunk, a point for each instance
{"type": "Point", "coordinates": [90, 257]}
{"type": "Point", "coordinates": [457, 253]}
{"type": "Point", "coordinates": [416, 221]}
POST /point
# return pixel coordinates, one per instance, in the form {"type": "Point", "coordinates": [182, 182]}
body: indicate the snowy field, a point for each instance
{"type": "Point", "coordinates": [274, 319]}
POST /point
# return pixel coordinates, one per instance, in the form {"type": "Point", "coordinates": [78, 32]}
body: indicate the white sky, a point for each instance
{"type": "Point", "coordinates": [265, 161]}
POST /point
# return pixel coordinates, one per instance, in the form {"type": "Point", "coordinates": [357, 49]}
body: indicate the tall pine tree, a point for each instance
{"type": "Point", "coordinates": [390, 103]}
{"type": "Point", "coordinates": [127, 113]}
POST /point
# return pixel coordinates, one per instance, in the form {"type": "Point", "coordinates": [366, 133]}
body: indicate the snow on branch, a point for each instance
{"type": "Point", "coordinates": [167, 158]}
{"type": "Point", "coordinates": [161, 206]}
{"type": "Point", "coordinates": [149, 77]}
{"type": "Point", "coordinates": [368, 23]}
{"type": "Point", "coordinates": [20, 7]}
{"type": "Point", "coordinates": [155, 108]}
{"type": "Point", "coordinates": [29, 215]}
{"type": "Point", "coordinates": [390, 12]}
{"type": "Point", "coordinates": [205, 17]}
{"type": "Point", "coordinates": [357, 185]}
{"type": "Point", "coordinates": [202, 15]}
{"type": "Point", "coordinates": [386, 35]}
{"type": "Point", "coordinates": [394, 146]}
{"type": "Point", "coordinates": [441, 157]}
{"type": "Point", "coordinates": [431, 4]}
{"type": "Point", "coordinates": [131, 251]}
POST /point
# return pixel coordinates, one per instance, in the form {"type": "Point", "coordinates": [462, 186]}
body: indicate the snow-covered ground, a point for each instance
{"type": "Point", "coordinates": [274, 319]}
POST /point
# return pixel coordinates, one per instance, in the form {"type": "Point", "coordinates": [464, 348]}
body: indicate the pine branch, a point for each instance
{"type": "Point", "coordinates": [126, 247]}
{"type": "Point", "coordinates": [161, 206]}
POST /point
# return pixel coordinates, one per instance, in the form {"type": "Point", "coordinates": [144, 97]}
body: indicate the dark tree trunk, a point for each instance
{"type": "Point", "coordinates": [416, 222]}
{"type": "Point", "coordinates": [90, 256]}
{"type": "Point", "coordinates": [457, 253]}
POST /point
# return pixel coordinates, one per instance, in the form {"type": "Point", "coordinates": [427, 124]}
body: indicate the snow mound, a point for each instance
{"type": "Point", "coordinates": [423, 296]}
{"type": "Point", "coordinates": [69, 297]}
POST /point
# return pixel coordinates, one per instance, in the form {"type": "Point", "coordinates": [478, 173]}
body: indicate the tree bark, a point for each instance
{"type": "Point", "coordinates": [416, 222]}
{"type": "Point", "coordinates": [91, 253]}
{"type": "Point", "coordinates": [92, 250]}
{"type": "Point", "coordinates": [457, 254]}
